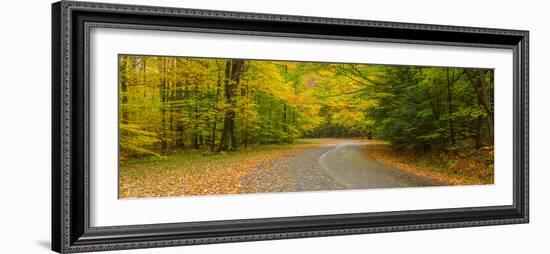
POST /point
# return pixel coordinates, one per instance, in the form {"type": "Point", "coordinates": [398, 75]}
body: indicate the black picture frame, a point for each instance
{"type": "Point", "coordinates": [71, 231]}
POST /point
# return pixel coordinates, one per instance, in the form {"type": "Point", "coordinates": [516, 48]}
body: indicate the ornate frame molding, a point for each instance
{"type": "Point", "coordinates": [71, 22]}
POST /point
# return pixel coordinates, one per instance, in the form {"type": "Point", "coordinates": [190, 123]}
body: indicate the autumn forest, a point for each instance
{"type": "Point", "coordinates": [196, 126]}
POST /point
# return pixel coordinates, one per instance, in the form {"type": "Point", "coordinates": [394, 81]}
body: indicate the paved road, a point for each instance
{"type": "Point", "coordinates": [341, 165]}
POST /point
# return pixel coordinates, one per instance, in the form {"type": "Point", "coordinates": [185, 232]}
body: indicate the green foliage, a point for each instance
{"type": "Point", "coordinates": [430, 107]}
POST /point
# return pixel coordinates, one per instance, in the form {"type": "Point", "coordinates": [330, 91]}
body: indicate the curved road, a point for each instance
{"type": "Point", "coordinates": [342, 165]}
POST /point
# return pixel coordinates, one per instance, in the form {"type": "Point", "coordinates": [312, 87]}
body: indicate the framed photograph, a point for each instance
{"type": "Point", "coordinates": [181, 126]}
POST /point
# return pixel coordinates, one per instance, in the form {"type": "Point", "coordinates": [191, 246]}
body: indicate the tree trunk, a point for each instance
{"type": "Point", "coordinates": [123, 90]}
{"type": "Point", "coordinates": [170, 99]}
{"type": "Point", "coordinates": [477, 80]}
{"type": "Point", "coordinates": [486, 104]}
{"type": "Point", "coordinates": [246, 119]}
{"type": "Point", "coordinates": [284, 117]}
{"type": "Point", "coordinates": [233, 71]}
{"type": "Point", "coordinates": [450, 103]}
{"type": "Point", "coordinates": [196, 143]}
{"type": "Point", "coordinates": [180, 133]}
{"type": "Point", "coordinates": [144, 77]}
{"type": "Point", "coordinates": [163, 105]}
{"type": "Point", "coordinates": [479, 125]}
{"type": "Point", "coordinates": [213, 143]}
{"type": "Point", "coordinates": [435, 110]}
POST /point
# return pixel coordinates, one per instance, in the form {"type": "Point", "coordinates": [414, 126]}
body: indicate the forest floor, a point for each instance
{"type": "Point", "coordinates": [460, 167]}
{"type": "Point", "coordinates": [198, 172]}
{"type": "Point", "coordinates": [311, 165]}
